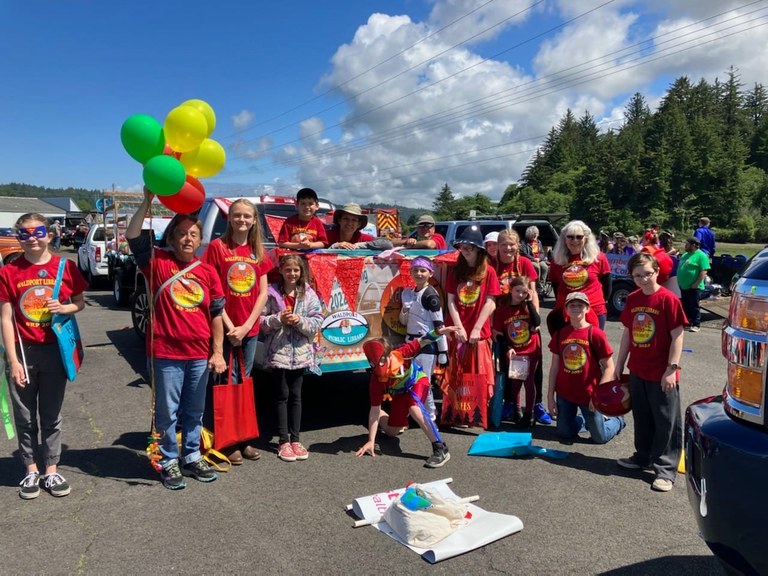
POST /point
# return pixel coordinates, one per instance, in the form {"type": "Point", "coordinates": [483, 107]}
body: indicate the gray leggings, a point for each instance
{"type": "Point", "coordinates": [43, 395]}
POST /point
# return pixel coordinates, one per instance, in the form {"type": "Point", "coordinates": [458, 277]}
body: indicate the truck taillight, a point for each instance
{"type": "Point", "coordinates": [749, 313]}
{"type": "Point", "coordinates": [97, 254]}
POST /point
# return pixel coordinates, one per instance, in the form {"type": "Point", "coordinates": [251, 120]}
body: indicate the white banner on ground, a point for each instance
{"type": "Point", "coordinates": [483, 528]}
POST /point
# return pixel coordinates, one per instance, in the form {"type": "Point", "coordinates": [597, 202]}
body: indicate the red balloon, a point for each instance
{"type": "Point", "coordinates": [168, 151]}
{"type": "Point", "coordinates": [189, 199]}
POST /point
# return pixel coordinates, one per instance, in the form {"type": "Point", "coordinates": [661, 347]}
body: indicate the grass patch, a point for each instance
{"type": "Point", "coordinates": [734, 249]}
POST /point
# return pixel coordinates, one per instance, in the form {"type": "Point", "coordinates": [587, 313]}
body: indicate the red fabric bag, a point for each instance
{"type": "Point", "coordinates": [466, 391]}
{"type": "Point", "coordinates": [234, 409]}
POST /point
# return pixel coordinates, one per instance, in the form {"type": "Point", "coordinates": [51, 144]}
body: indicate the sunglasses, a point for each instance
{"type": "Point", "coordinates": [36, 232]}
{"type": "Point", "coordinates": [575, 236]}
{"type": "Point", "coordinates": [426, 225]}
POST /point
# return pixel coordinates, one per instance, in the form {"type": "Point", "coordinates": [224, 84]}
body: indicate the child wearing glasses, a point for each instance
{"type": "Point", "coordinates": [35, 369]}
{"type": "Point", "coordinates": [654, 320]}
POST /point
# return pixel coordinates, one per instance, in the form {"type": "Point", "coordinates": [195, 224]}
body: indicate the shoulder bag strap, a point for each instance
{"type": "Point", "coordinates": [59, 276]}
{"type": "Point", "coordinates": [175, 277]}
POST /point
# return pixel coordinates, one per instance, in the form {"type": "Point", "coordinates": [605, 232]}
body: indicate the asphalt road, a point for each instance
{"type": "Point", "coordinates": [582, 515]}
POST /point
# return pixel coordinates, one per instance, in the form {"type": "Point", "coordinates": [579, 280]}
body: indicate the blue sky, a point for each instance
{"type": "Point", "coordinates": [361, 100]}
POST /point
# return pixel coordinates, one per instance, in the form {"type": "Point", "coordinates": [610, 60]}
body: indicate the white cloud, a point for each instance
{"type": "Point", "coordinates": [416, 118]}
{"type": "Point", "coordinates": [242, 120]}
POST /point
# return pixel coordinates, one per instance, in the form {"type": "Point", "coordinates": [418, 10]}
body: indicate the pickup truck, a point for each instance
{"type": "Point", "coordinates": [92, 254]}
{"type": "Point", "coordinates": [726, 437]}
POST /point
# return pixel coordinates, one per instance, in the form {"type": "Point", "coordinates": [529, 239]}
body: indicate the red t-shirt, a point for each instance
{"type": "Point", "coordinates": [650, 321]}
{"type": "Point", "coordinates": [470, 297]}
{"type": "Point", "coordinates": [182, 323]}
{"type": "Point", "coordinates": [295, 230]}
{"type": "Point", "coordinates": [580, 351]}
{"type": "Point", "coordinates": [520, 266]}
{"type": "Point", "coordinates": [239, 273]}
{"type": "Point", "coordinates": [27, 286]}
{"type": "Point", "coordinates": [581, 277]}
{"type": "Point", "coordinates": [376, 389]}
{"type": "Point", "coordinates": [664, 260]}
{"type": "Point", "coordinates": [438, 239]}
{"type": "Point", "coordinates": [514, 321]}
{"type": "Point", "coordinates": [334, 233]}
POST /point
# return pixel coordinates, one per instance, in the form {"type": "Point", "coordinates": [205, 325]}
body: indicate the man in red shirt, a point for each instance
{"type": "Point", "coordinates": [427, 238]}
{"type": "Point", "coordinates": [304, 231]}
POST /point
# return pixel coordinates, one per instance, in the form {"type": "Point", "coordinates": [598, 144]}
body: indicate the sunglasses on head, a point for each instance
{"type": "Point", "coordinates": [36, 232]}
{"type": "Point", "coordinates": [575, 236]}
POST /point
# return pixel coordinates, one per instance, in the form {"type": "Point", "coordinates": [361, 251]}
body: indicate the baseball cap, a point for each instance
{"type": "Point", "coordinates": [491, 237]}
{"type": "Point", "coordinates": [425, 219]}
{"type": "Point", "coordinates": [306, 193]}
{"type": "Point", "coordinates": [694, 240]}
{"type": "Point", "coordinates": [577, 296]}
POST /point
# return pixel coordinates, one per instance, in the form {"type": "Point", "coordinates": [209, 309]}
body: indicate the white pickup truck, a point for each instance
{"type": "Point", "coordinates": [92, 254]}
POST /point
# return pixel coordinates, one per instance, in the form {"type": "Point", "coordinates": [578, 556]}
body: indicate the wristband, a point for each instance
{"type": "Point", "coordinates": [432, 336]}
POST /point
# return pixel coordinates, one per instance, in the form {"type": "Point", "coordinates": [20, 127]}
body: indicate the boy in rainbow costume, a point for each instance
{"type": "Point", "coordinates": [398, 378]}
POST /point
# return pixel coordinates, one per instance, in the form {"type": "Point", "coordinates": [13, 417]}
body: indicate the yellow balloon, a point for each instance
{"type": "Point", "coordinates": [185, 128]}
{"type": "Point", "coordinates": [206, 160]}
{"type": "Point", "coordinates": [205, 109]}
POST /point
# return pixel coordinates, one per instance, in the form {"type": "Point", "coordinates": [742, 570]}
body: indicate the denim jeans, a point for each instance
{"type": "Point", "coordinates": [249, 353]}
{"type": "Point", "coordinates": [690, 300]}
{"type": "Point", "coordinates": [569, 423]}
{"type": "Point", "coordinates": [180, 387]}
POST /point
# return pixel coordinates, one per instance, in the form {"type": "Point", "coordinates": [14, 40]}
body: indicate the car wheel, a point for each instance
{"type": "Point", "coordinates": [619, 297]}
{"type": "Point", "coordinates": [140, 313]}
{"type": "Point", "coordinates": [118, 292]}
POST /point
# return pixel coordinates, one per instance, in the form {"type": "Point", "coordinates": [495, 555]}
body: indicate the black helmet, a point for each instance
{"type": "Point", "coordinates": [470, 235]}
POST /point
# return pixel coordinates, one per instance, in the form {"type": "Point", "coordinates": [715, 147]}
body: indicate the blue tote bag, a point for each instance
{"type": "Point", "coordinates": [67, 333]}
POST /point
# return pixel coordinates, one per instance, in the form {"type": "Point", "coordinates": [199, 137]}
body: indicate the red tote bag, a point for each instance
{"type": "Point", "coordinates": [465, 398]}
{"type": "Point", "coordinates": [234, 409]}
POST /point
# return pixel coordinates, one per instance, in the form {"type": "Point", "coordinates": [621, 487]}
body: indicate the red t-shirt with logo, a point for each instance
{"type": "Point", "coordinates": [514, 321]}
{"type": "Point", "coordinates": [470, 296]}
{"type": "Point", "coordinates": [295, 230]}
{"type": "Point", "coordinates": [579, 276]}
{"type": "Point", "coordinates": [239, 273]}
{"type": "Point", "coordinates": [580, 351]}
{"type": "Point", "coordinates": [182, 323]}
{"type": "Point", "coordinates": [27, 286]}
{"type": "Point", "coordinates": [520, 266]}
{"type": "Point", "coordinates": [650, 321]}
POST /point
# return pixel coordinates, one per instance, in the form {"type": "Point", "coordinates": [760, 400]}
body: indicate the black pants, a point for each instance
{"type": "Point", "coordinates": [690, 300]}
{"type": "Point", "coordinates": [288, 403]}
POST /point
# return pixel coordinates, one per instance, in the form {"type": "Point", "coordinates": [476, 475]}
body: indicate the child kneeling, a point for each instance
{"type": "Point", "coordinates": [398, 378]}
{"type": "Point", "coordinates": [579, 351]}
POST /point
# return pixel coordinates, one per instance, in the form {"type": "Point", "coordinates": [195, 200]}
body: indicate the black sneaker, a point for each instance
{"type": "Point", "coordinates": [440, 455]}
{"type": "Point", "coordinates": [172, 477]}
{"type": "Point", "coordinates": [30, 486]}
{"type": "Point", "coordinates": [56, 485]}
{"type": "Point", "coordinates": [199, 470]}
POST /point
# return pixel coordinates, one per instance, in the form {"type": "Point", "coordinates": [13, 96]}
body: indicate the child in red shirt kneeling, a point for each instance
{"type": "Point", "coordinates": [579, 351]}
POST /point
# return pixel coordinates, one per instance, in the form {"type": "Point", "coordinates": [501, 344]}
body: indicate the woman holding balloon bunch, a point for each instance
{"type": "Point", "coordinates": [184, 341]}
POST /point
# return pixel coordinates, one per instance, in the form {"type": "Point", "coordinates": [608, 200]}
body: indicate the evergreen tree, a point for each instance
{"type": "Point", "coordinates": [443, 205]}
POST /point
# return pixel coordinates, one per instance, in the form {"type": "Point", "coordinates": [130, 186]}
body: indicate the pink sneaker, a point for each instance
{"type": "Point", "coordinates": [299, 451]}
{"type": "Point", "coordinates": [286, 453]}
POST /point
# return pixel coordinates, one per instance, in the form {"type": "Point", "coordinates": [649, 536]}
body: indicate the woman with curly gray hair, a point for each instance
{"type": "Point", "coordinates": [579, 266]}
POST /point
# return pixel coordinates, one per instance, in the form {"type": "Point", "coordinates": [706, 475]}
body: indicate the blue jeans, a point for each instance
{"type": "Point", "coordinates": [180, 387]}
{"type": "Point", "coordinates": [570, 423]}
{"type": "Point", "coordinates": [249, 353]}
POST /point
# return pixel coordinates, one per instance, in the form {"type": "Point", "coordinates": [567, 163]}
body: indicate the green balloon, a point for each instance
{"type": "Point", "coordinates": [142, 137]}
{"type": "Point", "coordinates": [164, 175]}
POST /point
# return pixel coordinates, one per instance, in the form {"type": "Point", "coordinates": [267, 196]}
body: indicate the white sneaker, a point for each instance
{"type": "Point", "coordinates": [662, 485]}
